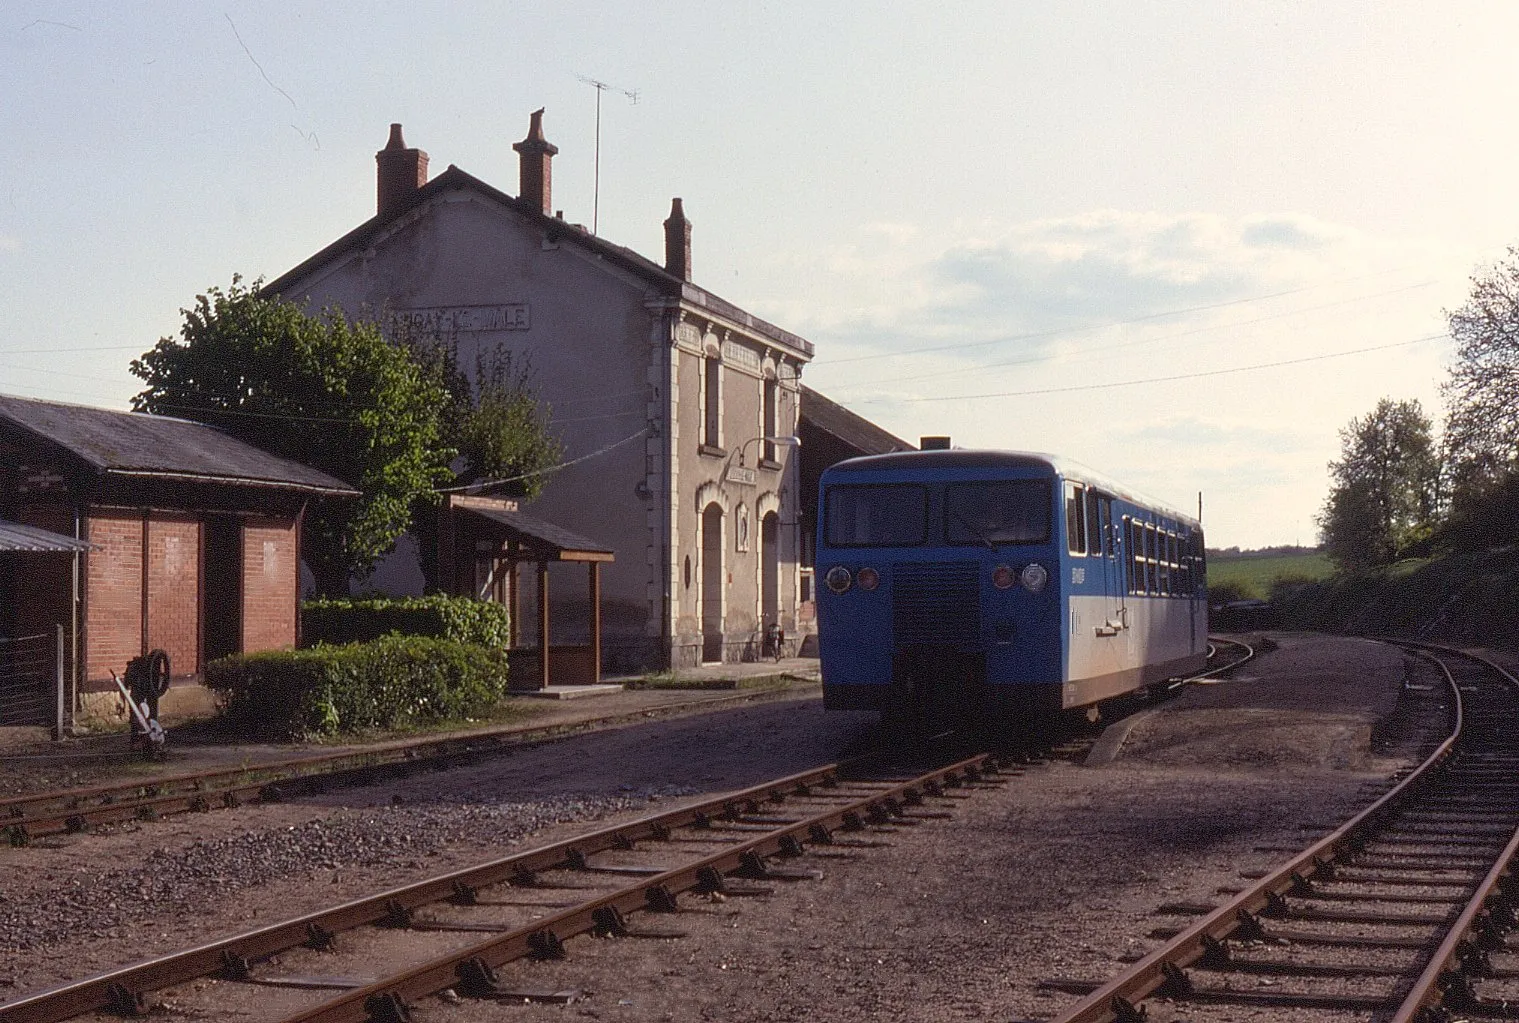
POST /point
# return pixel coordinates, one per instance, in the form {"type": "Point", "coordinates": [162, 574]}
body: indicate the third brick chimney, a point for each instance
{"type": "Point", "coordinates": [401, 171]}
{"type": "Point", "coordinates": [535, 154]}
{"type": "Point", "coordinates": [678, 242]}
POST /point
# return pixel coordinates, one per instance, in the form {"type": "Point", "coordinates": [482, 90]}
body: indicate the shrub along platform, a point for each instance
{"type": "Point", "coordinates": [361, 619]}
{"type": "Point", "coordinates": [390, 682]}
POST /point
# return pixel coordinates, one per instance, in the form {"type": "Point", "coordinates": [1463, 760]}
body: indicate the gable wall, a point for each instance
{"type": "Point", "coordinates": [587, 333]}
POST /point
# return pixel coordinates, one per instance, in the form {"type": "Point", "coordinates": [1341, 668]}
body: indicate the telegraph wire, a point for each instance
{"type": "Point", "coordinates": [482, 484]}
{"type": "Point", "coordinates": [1102, 326]}
{"type": "Point", "coordinates": [1140, 341]}
{"type": "Point", "coordinates": [1156, 380]}
{"type": "Point", "coordinates": [51, 351]}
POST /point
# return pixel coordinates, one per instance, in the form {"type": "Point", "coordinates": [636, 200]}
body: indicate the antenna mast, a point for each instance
{"type": "Point", "coordinates": [601, 87]}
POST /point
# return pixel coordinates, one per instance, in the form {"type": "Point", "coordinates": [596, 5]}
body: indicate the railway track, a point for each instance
{"type": "Point", "coordinates": [1404, 913]}
{"type": "Point", "coordinates": [529, 904]}
{"type": "Point", "coordinates": [71, 811]}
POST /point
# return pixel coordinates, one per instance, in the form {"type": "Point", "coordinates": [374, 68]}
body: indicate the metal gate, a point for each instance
{"type": "Point", "coordinates": [31, 679]}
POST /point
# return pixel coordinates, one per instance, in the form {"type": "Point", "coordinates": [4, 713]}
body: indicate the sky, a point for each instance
{"type": "Point", "coordinates": [1182, 243]}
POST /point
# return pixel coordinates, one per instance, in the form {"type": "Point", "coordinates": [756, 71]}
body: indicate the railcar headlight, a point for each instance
{"type": "Point", "coordinates": [838, 579]}
{"type": "Point", "coordinates": [1003, 577]}
{"type": "Point", "coordinates": [867, 578]}
{"type": "Point", "coordinates": [1033, 577]}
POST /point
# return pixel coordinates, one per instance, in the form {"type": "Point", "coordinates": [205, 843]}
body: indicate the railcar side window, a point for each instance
{"type": "Point", "coordinates": [987, 514]}
{"type": "Point", "coordinates": [1136, 556]}
{"type": "Point", "coordinates": [1152, 563]}
{"type": "Point", "coordinates": [891, 515]}
{"type": "Point", "coordinates": [1075, 518]}
{"type": "Point", "coordinates": [1094, 527]}
{"type": "Point", "coordinates": [1108, 542]}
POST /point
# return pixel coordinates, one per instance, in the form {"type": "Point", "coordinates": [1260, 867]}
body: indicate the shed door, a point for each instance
{"type": "Point", "coordinates": [222, 615]}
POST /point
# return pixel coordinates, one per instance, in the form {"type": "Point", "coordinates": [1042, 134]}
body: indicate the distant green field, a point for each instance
{"type": "Point", "coordinates": [1254, 575]}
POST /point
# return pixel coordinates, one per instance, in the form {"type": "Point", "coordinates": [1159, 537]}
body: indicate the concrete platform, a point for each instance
{"type": "Point", "coordinates": [570, 692]}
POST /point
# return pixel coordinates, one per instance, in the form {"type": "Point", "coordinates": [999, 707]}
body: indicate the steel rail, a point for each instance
{"type": "Point", "coordinates": [1446, 979]}
{"type": "Point", "coordinates": [122, 989]}
{"type": "Point", "coordinates": [1250, 652]}
{"type": "Point", "coordinates": [388, 999]}
{"type": "Point", "coordinates": [1116, 999]}
{"type": "Point", "coordinates": [73, 810]}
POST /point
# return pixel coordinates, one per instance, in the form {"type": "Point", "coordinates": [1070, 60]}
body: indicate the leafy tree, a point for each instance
{"type": "Point", "coordinates": [1384, 494]}
{"type": "Point", "coordinates": [319, 390]}
{"type": "Point", "coordinates": [1482, 399]}
{"type": "Point", "coordinates": [496, 422]}
{"type": "Point", "coordinates": [502, 435]}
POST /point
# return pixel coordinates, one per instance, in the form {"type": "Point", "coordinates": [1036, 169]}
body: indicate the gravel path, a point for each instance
{"type": "Point", "coordinates": [1058, 873]}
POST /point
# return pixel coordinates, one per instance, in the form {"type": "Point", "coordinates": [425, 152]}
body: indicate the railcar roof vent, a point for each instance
{"type": "Point", "coordinates": [933, 444]}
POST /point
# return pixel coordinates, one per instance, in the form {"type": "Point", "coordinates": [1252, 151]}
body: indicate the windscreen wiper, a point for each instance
{"type": "Point", "coordinates": [980, 535]}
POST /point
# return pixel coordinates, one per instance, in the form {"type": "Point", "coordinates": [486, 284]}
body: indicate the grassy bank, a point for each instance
{"type": "Point", "coordinates": [1467, 599]}
{"type": "Point", "coordinates": [1244, 576]}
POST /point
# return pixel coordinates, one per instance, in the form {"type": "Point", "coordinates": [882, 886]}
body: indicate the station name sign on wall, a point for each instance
{"type": "Point", "coordinates": [738, 355]}
{"type": "Point", "coordinates": [464, 319]}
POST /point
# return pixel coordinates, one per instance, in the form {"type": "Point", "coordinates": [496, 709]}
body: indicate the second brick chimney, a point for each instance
{"type": "Point", "coordinates": [536, 152]}
{"type": "Point", "coordinates": [401, 171]}
{"type": "Point", "coordinates": [678, 242]}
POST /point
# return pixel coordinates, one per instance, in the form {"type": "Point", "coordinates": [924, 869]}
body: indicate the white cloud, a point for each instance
{"type": "Point", "coordinates": [1033, 335]}
{"type": "Point", "coordinates": [894, 286]}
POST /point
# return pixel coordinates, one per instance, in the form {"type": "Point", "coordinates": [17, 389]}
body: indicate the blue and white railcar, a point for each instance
{"type": "Point", "coordinates": [964, 583]}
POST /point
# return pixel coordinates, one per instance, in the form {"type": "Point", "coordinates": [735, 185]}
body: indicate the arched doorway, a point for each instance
{"type": "Point", "coordinates": [712, 589]}
{"type": "Point", "coordinates": [770, 570]}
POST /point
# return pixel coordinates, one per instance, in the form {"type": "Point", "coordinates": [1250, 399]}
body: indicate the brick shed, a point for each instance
{"type": "Point", "coordinates": [194, 540]}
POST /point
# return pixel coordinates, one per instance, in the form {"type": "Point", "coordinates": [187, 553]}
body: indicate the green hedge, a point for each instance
{"type": "Point", "coordinates": [360, 619]}
{"type": "Point", "coordinates": [387, 683]}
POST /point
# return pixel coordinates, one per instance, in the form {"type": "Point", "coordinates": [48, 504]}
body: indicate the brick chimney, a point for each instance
{"type": "Point", "coordinates": [401, 172]}
{"type": "Point", "coordinates": [678, 242]}
{"type": "Point", "coordinates": [536, 152]}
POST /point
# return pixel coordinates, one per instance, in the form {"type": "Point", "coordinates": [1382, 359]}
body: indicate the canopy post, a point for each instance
{"type": "Point", "coordinates": [594, 569]}
{"type": "Point", "coordinates": [543, 625]}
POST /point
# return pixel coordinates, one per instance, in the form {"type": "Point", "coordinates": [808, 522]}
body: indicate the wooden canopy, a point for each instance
{"type": "Point", "coordinates": [477, 534]}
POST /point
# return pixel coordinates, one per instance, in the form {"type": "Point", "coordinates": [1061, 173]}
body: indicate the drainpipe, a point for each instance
{"type": "Point", "coordinates": [74, 619]}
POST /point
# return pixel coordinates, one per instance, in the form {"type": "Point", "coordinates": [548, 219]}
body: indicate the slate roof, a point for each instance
{"type": "Point", "coordinates": [560, 542]}
{"type": "Point", "coordinates": [29, 539]}
{"type": "Point", "coordinates": [132, 443]}
{"type": "Point", "coordinates": [452, 179]}
{"type": "Point", "coordinates": [856, 431]}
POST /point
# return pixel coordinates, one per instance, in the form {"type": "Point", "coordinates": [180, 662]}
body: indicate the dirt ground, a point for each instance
{"type": "Point", "coordinates": [1058, 873]}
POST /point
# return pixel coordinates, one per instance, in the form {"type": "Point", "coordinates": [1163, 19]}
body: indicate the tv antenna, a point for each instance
{"type": "Point", "coordinates": [600, 88]}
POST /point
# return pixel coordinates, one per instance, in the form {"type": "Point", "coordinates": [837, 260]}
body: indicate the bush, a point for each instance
{"type": "Point", "coordinates": [1223, 593]}
{"type": "Point", "coordinates": [390, 682]}
{"type": "Point", "coordinates": [361, 619]}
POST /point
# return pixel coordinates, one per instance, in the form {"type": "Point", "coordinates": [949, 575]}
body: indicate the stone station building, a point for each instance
{"type": "Point", "coordinates": [678, 411]}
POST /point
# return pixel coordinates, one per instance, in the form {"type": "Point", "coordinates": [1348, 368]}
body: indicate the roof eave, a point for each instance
{"type": "Point", "coordinates": [314, 489]}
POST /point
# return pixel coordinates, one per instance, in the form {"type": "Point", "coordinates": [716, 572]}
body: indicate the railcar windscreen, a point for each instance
{"type": "Point", "coordinates": [1011, 511]}
{"type": "Point", "coordinates": [891, 515]}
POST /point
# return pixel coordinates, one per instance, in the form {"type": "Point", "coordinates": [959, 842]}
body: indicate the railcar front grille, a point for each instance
{"type": "Point", "coordinates": [936, 603]}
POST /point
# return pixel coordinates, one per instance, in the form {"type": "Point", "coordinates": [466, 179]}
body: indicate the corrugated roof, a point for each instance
{"type": "Point", "coordinates": [855, 430]}
{"type": "Point", "coordinates": [453, 179]}
{"type": "Point", "coordinates": [559, 541]}
{"type": "Point", "coordinates": [132, 443]}
{"type": "Point", "coordinates": [16, 537]}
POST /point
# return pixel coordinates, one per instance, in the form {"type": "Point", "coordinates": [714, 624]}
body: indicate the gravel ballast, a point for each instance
{"type": "Point", "coordinates": [1058, 873]}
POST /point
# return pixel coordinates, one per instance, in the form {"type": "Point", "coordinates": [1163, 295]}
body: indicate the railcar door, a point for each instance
{"type": "Point", "coordinates": [1106, 548]}
{"type": "Point", "coordinates": [1194, 581]}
